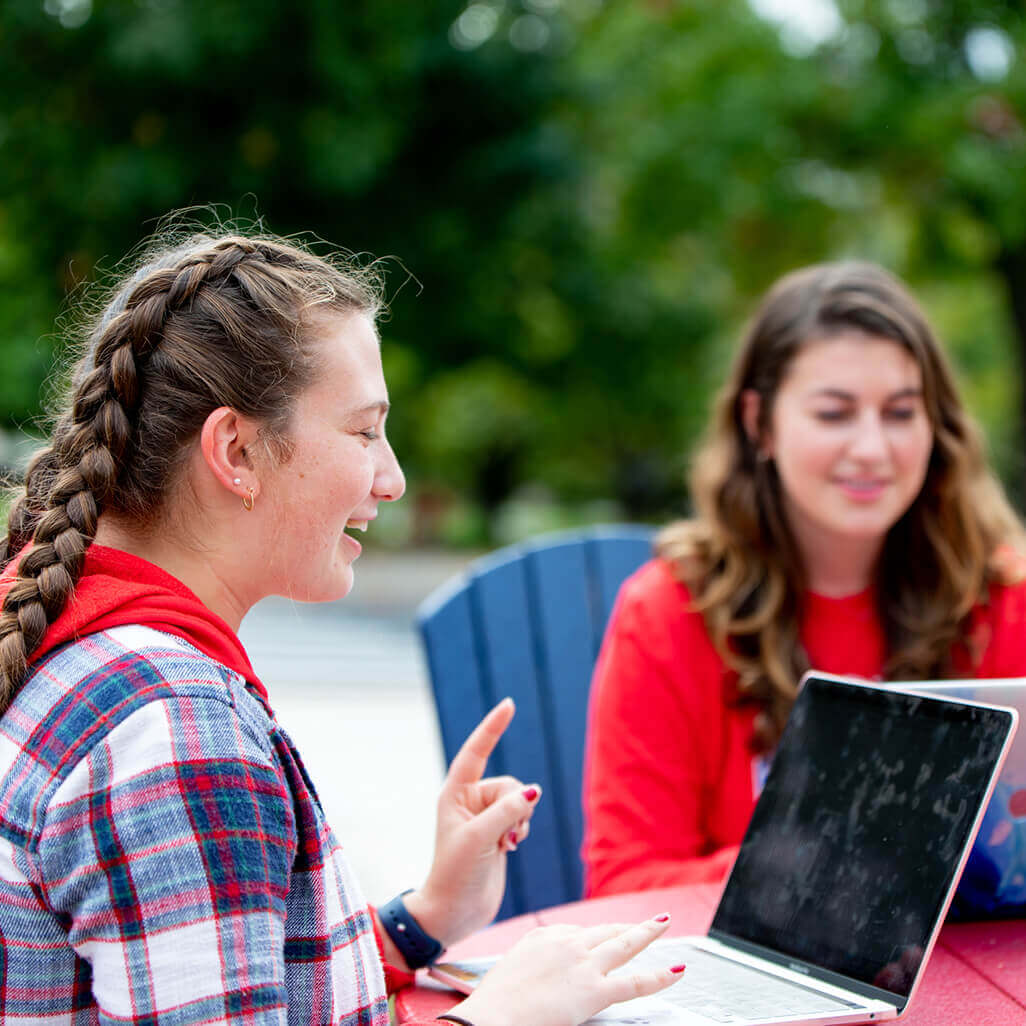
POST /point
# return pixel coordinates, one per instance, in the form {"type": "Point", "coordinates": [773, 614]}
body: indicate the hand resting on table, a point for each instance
{"type": "Point", "coordinates": [559, 975]}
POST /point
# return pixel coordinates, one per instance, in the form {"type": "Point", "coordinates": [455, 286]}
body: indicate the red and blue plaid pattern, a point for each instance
{"type": "Point", "coordinates": [163, 855]}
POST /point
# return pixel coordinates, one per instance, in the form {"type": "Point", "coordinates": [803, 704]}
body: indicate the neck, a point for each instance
{"type": "Point", "coordinates": [837, 570]}
{"type": "Point", "coordinates": [197, 568]}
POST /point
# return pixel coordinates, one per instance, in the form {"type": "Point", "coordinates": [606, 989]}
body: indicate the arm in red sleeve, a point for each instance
{"type": "Point", "coordinates": [659, 741]}
{"type": "Point", "coordinates": [395, 978]}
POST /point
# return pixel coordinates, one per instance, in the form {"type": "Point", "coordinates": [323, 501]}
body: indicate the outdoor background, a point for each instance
{"type": "Point", "coordinates": [582, 200]}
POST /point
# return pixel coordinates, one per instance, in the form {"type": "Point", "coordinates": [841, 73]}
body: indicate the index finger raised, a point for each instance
{"type": "Point", "coordinates": [468, 765]}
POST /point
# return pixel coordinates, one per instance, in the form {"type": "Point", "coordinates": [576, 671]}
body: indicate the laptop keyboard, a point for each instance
{"type": "Point", "coordinates": [726, 991]}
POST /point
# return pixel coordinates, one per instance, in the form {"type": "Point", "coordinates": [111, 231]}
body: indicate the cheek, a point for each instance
{"type": "Point", "coordinates": [801, 449]}
{"type": "Point", "coordinates": [348, 485]}
{"type": "Point", "coordinates": [915, 452]}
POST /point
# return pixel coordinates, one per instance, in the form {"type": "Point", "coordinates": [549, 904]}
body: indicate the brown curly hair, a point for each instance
{"type": "Point", "coordinates": [739, 558]}
{"type": "Point", "coordinates": [216, 320]}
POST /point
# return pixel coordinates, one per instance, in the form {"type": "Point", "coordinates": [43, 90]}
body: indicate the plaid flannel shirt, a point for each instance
{"type": "Point", "coordinates": [163, 856]}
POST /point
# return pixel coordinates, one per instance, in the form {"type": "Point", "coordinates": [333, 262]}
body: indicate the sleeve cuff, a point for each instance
{"type": "Point", "coordinates": [395, 979]}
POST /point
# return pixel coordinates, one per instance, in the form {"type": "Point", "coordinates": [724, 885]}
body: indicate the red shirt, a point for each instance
{"type": "Point", "coordinates": [669, 777]}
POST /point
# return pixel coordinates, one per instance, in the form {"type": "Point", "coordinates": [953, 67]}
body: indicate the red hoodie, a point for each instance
{"type": "Point", "coordinates": [117, 588]}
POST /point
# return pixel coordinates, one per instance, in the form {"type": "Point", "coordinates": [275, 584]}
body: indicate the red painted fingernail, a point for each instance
{"type": "Point", "coordinates": [512, 838]}
{"type": "Point", "coordinates": [664, 918]}
{"type": "Point", "coordinates": [677, 968]}
{"type": "Point", "coordinates": [530, 793]}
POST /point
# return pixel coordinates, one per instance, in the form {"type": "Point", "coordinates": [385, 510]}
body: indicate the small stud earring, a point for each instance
{"type": "Point", "coordinates": [236, 480]}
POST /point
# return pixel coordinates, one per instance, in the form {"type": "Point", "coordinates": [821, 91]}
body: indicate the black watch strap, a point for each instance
{"type": "Point", "coordinates": [417, 947]}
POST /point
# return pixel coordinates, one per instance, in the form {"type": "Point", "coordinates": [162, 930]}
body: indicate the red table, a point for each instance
{"type": "Point", "coordinates": [976, 975]}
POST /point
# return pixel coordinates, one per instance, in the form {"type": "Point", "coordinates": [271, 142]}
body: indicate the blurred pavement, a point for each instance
{"type": "Point", "coordinates": [348, 682]}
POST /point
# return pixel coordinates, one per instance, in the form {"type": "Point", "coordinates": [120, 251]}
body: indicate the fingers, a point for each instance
{"type": "Point", "coordinates": [635, 985]}
{"type": "Point", "coordinates": [468, 765]}
{"type": "Point", "coordinates": [619, 948]}
{"type": "Point", "coordinates": [503, 817]}
{"type": "Point", "coordinates": [624, 945]}
{"type": "Point", "coordinates": [593, 936]}
{"type": "Point", "coordinates": [516, 836]}
{"type": "Point", "coordinates": [494, 788]}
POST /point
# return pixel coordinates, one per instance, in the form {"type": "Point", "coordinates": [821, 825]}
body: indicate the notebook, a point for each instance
{"type": "Point", "coordinates": [847, 868]}
{"type": "Point", "coordinates": [993, 882]}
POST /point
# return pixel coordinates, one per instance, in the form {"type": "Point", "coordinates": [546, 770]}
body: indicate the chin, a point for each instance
{"type": "Point", "coordinates": [324, 590]}
{"type": "Point", "coordinates": [866, 533]}
{"type": "Point", "coordinates": [339, 590]}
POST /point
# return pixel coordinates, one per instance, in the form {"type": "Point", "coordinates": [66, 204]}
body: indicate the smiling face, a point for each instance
{"type": "Point", "coordinates": [851, 440]}
{"type": "Point", "coordinates": [340, 466]}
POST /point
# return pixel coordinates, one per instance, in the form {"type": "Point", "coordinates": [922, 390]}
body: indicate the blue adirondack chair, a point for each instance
{"type": "Point", "coordinates": [527, 621]}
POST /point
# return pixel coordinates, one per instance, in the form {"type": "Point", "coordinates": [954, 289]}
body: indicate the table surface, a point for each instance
{"type": "Point", "coordinates": [976, 974]}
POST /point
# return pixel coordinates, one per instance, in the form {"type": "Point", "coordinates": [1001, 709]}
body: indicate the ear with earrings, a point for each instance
{"type": "Point", "coordinates": [248, 499]}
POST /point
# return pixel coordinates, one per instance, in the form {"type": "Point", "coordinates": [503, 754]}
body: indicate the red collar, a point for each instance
{"type": "Point", "coordinates": [117, 588]}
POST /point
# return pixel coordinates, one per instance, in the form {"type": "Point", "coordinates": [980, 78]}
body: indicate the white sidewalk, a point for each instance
{"type": "Point", "coordinates": [347, 681]}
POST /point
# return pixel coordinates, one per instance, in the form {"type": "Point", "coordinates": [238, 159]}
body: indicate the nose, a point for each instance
{"type": "Point", "coordinates": [389, 481]}
{"type": "Point", "coordinates": [870, 440]}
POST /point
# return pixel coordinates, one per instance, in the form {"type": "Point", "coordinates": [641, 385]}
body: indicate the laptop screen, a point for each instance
{"type": "Point", "coordinates": [853, 845]}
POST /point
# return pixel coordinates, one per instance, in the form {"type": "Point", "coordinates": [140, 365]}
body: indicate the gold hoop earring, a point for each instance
{"type": "Point", "coordinates": [247, 501]}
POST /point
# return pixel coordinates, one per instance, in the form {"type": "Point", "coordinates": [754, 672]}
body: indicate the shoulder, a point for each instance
{"type": "Point", "coordinates": [117, 670]}
{"type": "Point", "coordinates": [655, 621]}
{"type": "Point", "coordinates": [1006, 595]}
{"type": "Point", "coordinates": [655, 602]}
{"type": "Point", "coordinates": [1008, 566]}
{"type": "Point", "coordinates": [1006, 600]}
{"type": "Point", "coordinates": [128, 697]}
{"type": "Point", "coordinates": [656, 586]}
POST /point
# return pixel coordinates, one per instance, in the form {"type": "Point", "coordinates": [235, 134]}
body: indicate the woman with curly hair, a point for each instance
{"type": "Point", "coordinates": [846, 521]}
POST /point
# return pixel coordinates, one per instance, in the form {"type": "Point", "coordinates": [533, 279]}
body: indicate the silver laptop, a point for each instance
{"type": "Point", "coordinates": [847, 868]}
{"type": "Point", "coordinates": [993, 882]}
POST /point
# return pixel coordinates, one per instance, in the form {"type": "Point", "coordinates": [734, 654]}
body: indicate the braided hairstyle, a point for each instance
{"type": "Point", "coordinates": [215, 321]}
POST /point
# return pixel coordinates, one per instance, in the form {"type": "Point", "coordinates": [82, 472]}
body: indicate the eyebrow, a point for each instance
{"type": "Point", "coordinates": [840, 393]}
{"type": "Point", "coordinates": [382, 406]}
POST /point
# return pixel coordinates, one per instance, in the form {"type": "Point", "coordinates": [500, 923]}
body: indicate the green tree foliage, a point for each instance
{"type": "Point", "coordinates": [588, 195]}
{"type": "Point", "coordinates": [728, 148]}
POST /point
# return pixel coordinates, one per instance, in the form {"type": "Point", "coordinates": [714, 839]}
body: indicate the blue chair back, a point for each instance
{"type": "Point", "coordinates": [527, 621]}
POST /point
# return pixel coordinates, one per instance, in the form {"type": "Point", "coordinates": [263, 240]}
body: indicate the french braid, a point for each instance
{"type": "Point", "coordinates": [215, 322]}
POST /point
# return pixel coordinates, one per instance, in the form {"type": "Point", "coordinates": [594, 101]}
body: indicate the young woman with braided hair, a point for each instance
{"type": "Point", "coordinates": [846, 520]}
{"type": "Point", "coordinates": [163, 856]}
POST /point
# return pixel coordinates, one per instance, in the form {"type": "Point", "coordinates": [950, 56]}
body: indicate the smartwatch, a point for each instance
{"type": "Point", "coordinates": [417, 947]}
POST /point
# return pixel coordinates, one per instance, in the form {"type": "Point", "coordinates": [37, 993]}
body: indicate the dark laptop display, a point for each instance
{"type": "Point", "coordinates": [853, 845]}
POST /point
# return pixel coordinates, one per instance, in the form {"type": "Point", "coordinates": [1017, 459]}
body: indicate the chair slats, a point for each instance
{"type": "Point", "coordinates": [506, 634]}
{"type": "Point", "coordinates": [559, 576]}
{"type": "Point", "coordinates": [527, 622]}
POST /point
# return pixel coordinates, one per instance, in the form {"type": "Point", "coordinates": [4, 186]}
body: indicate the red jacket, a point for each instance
{"type": "Point", "coordinates": [669, 778]}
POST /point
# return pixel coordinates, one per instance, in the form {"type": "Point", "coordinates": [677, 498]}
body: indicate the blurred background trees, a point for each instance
{"type": "Point", "coordinates": [584, 198]}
